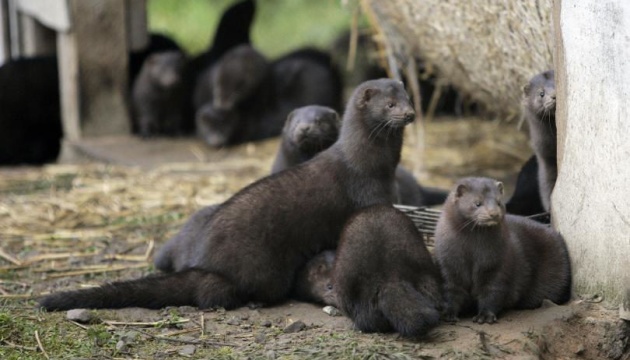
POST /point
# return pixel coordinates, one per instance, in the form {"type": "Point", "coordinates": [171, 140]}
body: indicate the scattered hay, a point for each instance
{"type": "Point", "coordinates": [487, 49]}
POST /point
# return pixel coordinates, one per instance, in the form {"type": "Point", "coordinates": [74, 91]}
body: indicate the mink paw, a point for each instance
{"type": "Point", "coordinates": [485, 316]}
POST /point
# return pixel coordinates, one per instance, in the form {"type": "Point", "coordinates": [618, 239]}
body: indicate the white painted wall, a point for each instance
{"type": "Point", "coordinates": [591, 199]}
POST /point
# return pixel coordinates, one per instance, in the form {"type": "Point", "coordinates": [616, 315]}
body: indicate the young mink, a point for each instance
{"type": "Point", "coordinates": [539, 105]}
{"type": "Point", "coordinates": [491, 261]}
{"type": "Point", "coordinates": [384, 276]}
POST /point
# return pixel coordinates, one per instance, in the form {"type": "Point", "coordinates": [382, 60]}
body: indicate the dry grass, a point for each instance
{"type": "Point", "coordinates": [486, 49]}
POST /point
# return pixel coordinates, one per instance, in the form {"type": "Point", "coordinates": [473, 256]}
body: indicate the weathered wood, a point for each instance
{"type": "Point", "coordinates": [5, 43]}
{"type": "Point", "coordinates": [590, 204]}
{"type": "Point", "coordinates": [36, 39]}
{"type": "Point", "coordinates": [138, 36]}
{"type": "Point", "coordinates": [93, 69]}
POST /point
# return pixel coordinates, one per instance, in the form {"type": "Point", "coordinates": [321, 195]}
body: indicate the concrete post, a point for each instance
{"type": "Point", "coordinates": [591, 199]}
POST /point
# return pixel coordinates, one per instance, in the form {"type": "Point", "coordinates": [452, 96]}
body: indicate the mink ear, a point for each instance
{"type": "Point", "coordinates": [526, 89]}
{"type": "Point", "coordinates": [461, 190]}
{"type": "Point", "coordinates": [499, 186]}
{"type": "Point", "coordinates": [367, 95]}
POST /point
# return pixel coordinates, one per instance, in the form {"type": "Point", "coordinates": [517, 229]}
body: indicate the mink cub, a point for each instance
{"type": "Point", "coordinates": [384, 277]}
{"type": "Point", "coordinates": [492, 261]}
{"type": "Point", "coordinates": [157, 95]}
{"type": "Point", "coordinates": [539, 103]}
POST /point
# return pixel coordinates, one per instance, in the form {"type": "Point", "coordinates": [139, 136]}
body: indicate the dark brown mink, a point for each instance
{"type": "Point", "coordinates": [254, 244]}
{"type": "Point", "coordinates": [157, 95]}
{"type": "Point", "coordinates": [525, 200]}
{"type": "Point", "coordinates": [311, 129]}
{"type": "Point", "coordinates": [491, 261]}
{"type": "Point", "coordinates": [307, 131]}
{"type": "Point", "coordinates": [539, 107]}
{"type": "Point", "coordinates": [384, 276]}
{"type": "Point", "coordinates": [30, 119]}
{"type": "Point", "coordinates": [314, 281]}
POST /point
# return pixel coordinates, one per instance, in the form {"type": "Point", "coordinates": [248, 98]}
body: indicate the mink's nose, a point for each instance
{"type": "Point", "coordinates": [409, 117]}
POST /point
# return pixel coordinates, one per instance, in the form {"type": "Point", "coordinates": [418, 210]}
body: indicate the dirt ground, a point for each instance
{"type": "Point", "coordinates": [66, 226]}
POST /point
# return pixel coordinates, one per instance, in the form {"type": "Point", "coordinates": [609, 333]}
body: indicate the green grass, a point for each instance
{"type": "Point", "coordinates": [279, 25]}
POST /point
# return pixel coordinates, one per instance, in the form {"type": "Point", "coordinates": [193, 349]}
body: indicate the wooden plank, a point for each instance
{"type": "Point", "coordinates": [93, 69]}
{"type": "Point", "coordinates": [590, 204]}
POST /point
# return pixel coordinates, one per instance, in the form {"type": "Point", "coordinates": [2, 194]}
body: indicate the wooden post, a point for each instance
{"type": "Point", "coordinates": [93, 69]}
{"type": "Point", "coordinates": [590, 202]}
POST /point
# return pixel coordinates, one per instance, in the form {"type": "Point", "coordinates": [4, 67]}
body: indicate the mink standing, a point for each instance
{"type": "Point", "coordinates": [384, 276]}
{"type": "Point", "coordinates": [157, 95]}
{"type": "Point", "coordinates": [493, 262]}
{"type": "Point", "coordinates": [249, 250]}
{"type": "Point", "coordinates": [539, 105]}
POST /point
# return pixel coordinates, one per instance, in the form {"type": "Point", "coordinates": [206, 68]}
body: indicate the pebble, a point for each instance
{"type": "Point", "coordinates": [234, 321]}
{"type": "Point", "coordinates": [296, 326]}
{"type": "Point", "coordinates": [187, 350]}
{"type": "Point", "coordinates": [265, 323]}
{"type": "Point", "coordinates": [82, 316]}
{"type": "Point", "coordinates": [260, 338]}
{"type": "Point", "coordinates": [121, 346]}
{"type": "Point", "coordinates": [331, 311]}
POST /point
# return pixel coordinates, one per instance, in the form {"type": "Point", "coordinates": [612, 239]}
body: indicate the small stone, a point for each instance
{"type": "Point", "coordinates": [234, 321]}
{"type": "Point", "coordinates": [82, 316]}
{"type": "Point", "coordinates": [260, 338]}
{"type": "Point", "coordinates": [580, 350]}
{"type": "Point", "coordinates": [270, 354]}
{"type": "Point", "coordinates": [265, 323]}
{"type": "Point", "coordinates": [331, 311]}
{"type": "Point", "coordinates": [244, 316]}
{"type": "Point", "coordinates": [121, 346]}
{"type": "Point", "coordinates": [296, 326]}
{"type": "Point", "coordinates": [187, 350]}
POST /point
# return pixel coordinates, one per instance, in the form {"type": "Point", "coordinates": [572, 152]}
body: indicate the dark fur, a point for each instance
{"type": "Point", "coordinates": [308, 131]}
{"type": "Point", "coordinates": [311, 129]}
{"type": "Point", "coordinates": [30, 114]}
{"type": "Point", "coordinates": [233, 30]}
{"type": "Point", "coordinates": [267, 93]}
{"type": "Point", "coordinates": [539, 106]}
{"type": "Point", "coordinates": [313, 282]}
{"type": "Point", "coordinates": [157, 95]}
{"type": "Point", "coordinates": [525, 200]}
{"type": "Point", "coordinates": [384, 277]}
{"type": "Point", "coordinates": [494, 262]}
{"type": "Point", "coordinates": [173, 256]}
{"type": "Point", "coordinates": [258, 239]}
{"type": "Point", "coordinates": [157, 43]}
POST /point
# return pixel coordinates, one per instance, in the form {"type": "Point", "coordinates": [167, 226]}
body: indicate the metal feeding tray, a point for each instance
{"type": "Point", "coordinates": [426, 218]}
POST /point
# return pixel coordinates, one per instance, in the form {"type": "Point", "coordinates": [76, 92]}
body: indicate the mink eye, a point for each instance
{"type": "Point", "coordinates": [542, 93]}
{"type": "Point", "coordinates": [329, 286]}
{"type": "Point", "coordinates": [390, 105]}
{"type": "Point", "coordinates": [478, 203]}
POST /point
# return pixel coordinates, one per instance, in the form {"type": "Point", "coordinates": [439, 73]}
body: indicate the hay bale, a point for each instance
{"type": "Point", "coordinates": [487, 49]}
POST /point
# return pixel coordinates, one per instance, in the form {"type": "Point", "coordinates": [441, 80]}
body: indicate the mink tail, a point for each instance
{"type": "Point", "coordinates": [191, 287]}
{"type": "Point", "coordinates": [409, 312]}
